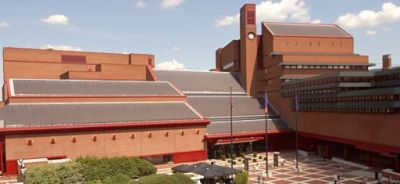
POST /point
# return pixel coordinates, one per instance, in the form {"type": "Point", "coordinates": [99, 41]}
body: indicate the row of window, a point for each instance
{"type": "Point", "coordinates": [315, 43]}
{"type": "Point", "coordinates": [388, 77]}
{"type": "Point", "coordinates": [327, 81]}
{"type": "Point", "coordinates": [326, 67]}
{"type": "Point", "coordinates": [94, 138]}
{"type": "Point", "coordinates": [348, 110]}
{"type": "Point", "coordinates": [312, 92]}
{"type": "Point", "coordinates": [351, 98]}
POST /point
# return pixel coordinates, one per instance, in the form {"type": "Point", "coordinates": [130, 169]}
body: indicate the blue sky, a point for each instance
{"type": "Point", "coordinates": [186, 32]}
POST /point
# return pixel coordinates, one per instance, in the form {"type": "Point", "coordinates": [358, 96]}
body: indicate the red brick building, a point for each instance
{"type": "Point", "coordinates": [62, 104]}
{"type": "Point", "coordinates": [65, 104]}
{"type": "Point", "coordinates": [346, 110]}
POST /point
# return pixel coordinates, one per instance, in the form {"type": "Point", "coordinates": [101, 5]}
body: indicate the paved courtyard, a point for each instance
{"type": "Point", "coordinates": [314, 170]}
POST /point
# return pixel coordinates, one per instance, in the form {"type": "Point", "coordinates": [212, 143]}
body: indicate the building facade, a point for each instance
{"type": "Point", "coordinates": [63, 104]}
{"type": "Point", "coordinates": [346, 110]}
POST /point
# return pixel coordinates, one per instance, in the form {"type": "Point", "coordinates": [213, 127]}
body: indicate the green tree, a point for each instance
{"type": "Point", "coordinates": [67, 173]}
{"type": "Point", "coordinates": [241, 178]}
{"type": "Point", "coordinates": [99, 169]}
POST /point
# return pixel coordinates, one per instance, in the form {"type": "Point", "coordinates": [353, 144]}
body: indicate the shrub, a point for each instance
{"type": "Point", "coordinates": [241, 178]}
{"type": "Point", "coordinates": [254, 154]}
{"type": "Point", "coordinates": [182, 179]}
{"type": "Point", "coordinates": [66, 173]}
{"type": "Point", "coordinates": [260, 157]}
{"type": "Point", "coordinates": [118, 178]}
{"type": "Point", "coordinates": [223, 157]}
{"type": "Point", "coordinates": [99, 169]}
{"type": "Point", "coordinates": [165, 179]}
{"type": "Point", "coordinates": [254, 160]}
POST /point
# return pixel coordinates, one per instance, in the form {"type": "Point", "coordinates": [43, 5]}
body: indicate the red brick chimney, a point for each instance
{"type": "Point", "coordinates": [386, 61]}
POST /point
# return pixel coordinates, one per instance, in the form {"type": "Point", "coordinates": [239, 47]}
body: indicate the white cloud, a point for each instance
{"type": "Point", "coordinates": [390, 13]}
{"type": "Point", "coordinates": [168, 4]}
{"type": "Point", "coordinates": [370, 33]}
{"type": "Point", "coordinates": [317, 21]}
{"type": "Point", "coordinates": [140, 4]}
{"type": "Point", "coordinates": [170, 65]}
{"type": "Point", "coordinates": [56, 20]}
{"type": "Point", "coordinates": [176, 48]}
{"type": "Point", "coordinates": [4, 24]}
{"type": "Point", "coordinates": [285, 10]}
{"type": "Point", "coordinates": [61, 47]}
{"type": "Point", "coordinates": [228, 20]}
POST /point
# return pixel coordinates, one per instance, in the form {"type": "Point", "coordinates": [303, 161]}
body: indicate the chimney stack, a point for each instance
{"type": "Point", "coordinates": [386, 61]}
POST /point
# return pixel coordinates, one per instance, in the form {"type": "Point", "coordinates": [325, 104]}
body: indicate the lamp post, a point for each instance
{"type": "Point", "coordinates": [296, 108]}
{"type": "Point", "coordinates": [266, 129]}
{"type": "Point", "coordinates": [231, 121]}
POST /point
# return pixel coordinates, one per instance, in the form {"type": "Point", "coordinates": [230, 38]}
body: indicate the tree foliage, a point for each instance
{"type": "Point", "coordinates": [241, 178]}
{"type": "Point", "coordinates": [67, 173]}
{"type": "Point", "coordinates": [165, 179]}
{"type": "Point", "coordinates": [91, 170]}
{"type": "Point", "coordinates": [100, 169]}
{"type": "Point", "coordinates": [119, 179]}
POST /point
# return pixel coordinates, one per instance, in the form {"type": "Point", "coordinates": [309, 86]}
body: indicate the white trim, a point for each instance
{"type": "Point", "coordinates": [96, 103]}
{"type": "Point", "coordinates": [243, 120]}
{"type": "Point", "coordinates": [213, 92]}
{"type": "Point", "coordinates": [11, 83]}
{"type": "Point", "coordinates": [229, 65]}
{"type": "Point", "coordinates": [188, 70]}
{"type": "Point", "coordinates": [194, 110]}
{"type": "Point", "coordinates": [81, 80]}
{"type": "Point", "coordinates": [222, 96]}
{"type": "Point", "coordinates": [175, 88]}
{"type": "Point", "coordinates": [240, 116]}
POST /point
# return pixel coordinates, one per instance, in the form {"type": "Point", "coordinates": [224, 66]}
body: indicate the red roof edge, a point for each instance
{"type": "Point", "coordinates": [104, 126]}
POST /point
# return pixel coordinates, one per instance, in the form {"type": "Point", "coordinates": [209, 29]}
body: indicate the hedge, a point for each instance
{"type": "Point", "coordinates": [91, 170]}
{"type": "Point", "coordinates": [95, 169]}
{"type": "Point", "coordinates": [165, 179]}
{"type": "Point", "coordinates": [119, 179]}
{"type": "Point", "coordinates": [68, 173]}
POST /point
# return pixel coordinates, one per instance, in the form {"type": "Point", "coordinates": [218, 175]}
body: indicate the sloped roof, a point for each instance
{"type": "Point", "coordinates": [217, 106]}
{"type": "Point", "coordinates": [246, 126]}
{"type": "Point", "coordinates": [45, 87]}
{"type": "Point", "coordinates": [192, 82]}
{"type": "Point", "coordinates": [62, 114]}
{"type": "Point", "coordinates": [309, 30]}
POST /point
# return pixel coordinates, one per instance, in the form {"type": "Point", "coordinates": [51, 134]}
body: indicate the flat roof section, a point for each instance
{"type": "Point", "coordinates": [195, 82]}
{"type": "Point", "coordinates": [44, 87]}
{"type": "Point", "coordinates": [304, 29]}
{"type": "Point", "coordinates": [22, 115]}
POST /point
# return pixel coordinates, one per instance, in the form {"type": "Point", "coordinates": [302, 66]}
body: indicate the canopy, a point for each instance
{"type": "Point", "coordinates": [205, 169]}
